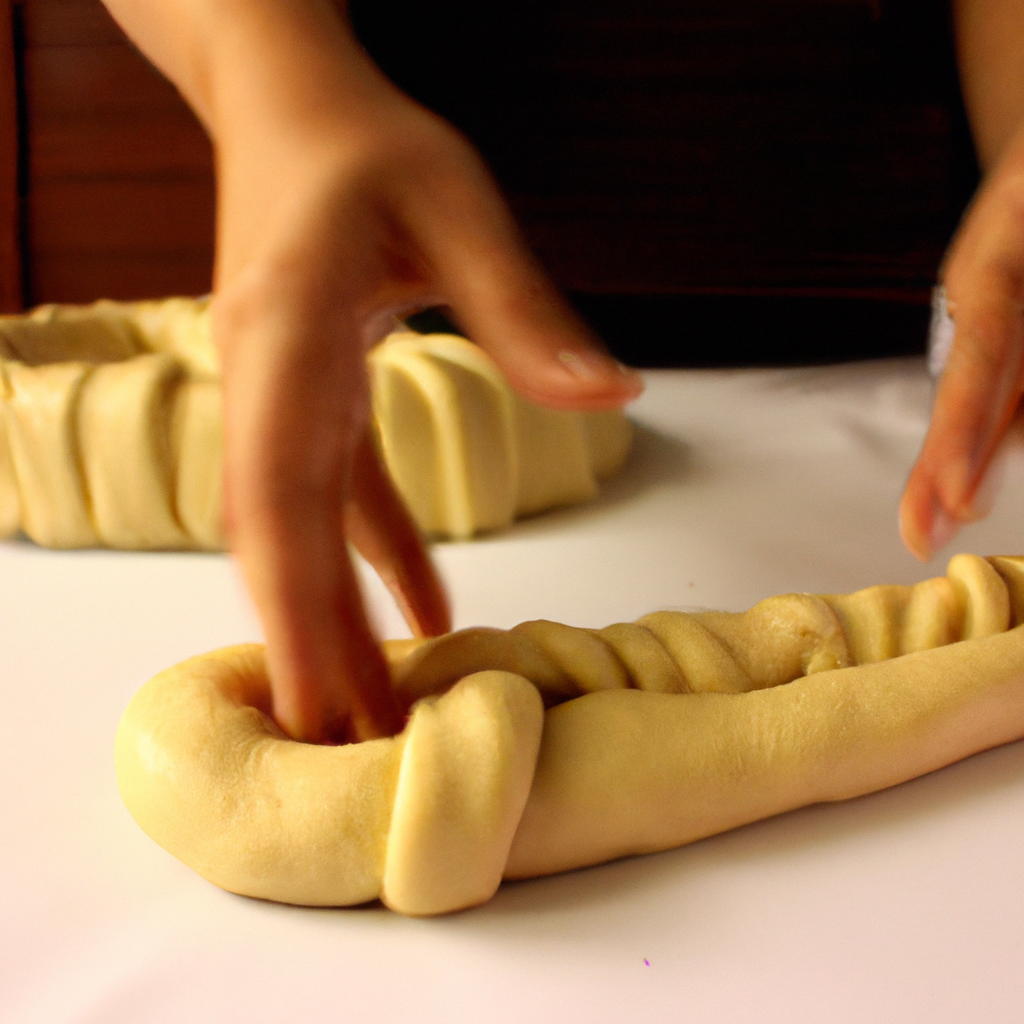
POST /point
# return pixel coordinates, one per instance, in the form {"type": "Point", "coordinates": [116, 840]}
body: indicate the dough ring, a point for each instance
{"type": "Point", "coordinates": [547, 748]}
{"type": "Point", "coordinates": [110, 431]}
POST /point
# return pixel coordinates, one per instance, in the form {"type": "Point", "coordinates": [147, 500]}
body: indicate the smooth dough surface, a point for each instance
{"type": "Point", "coordinates": [110, 431]}
{"type": "Point", "coordinates": [546, 748]}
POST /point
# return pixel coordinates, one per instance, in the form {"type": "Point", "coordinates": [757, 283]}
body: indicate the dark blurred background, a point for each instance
{"type": "Point", "coordinates": [713, 182]}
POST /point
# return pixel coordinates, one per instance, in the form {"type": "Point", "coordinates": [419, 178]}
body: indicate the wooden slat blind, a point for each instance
{"type": "Point", "coordinates": [121, 195]}
{"type": "Point", "coordinates": [668, 146]}
{"type": "Point", "coordinates": [648, 146]}
{"type": "Point", "coordinates": [10, 255]}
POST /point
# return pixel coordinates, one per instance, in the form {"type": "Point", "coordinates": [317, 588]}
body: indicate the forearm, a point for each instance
{"type": "Point", "coordinates": [233, 60]}
{"type": "Point", "coordinates": [990, 50]}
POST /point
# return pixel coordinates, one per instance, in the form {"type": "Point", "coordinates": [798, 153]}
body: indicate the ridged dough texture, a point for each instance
{"type": "Point", "coordinates": [110, 431]}
{"type": "Point", "coordinates": [546, 747]}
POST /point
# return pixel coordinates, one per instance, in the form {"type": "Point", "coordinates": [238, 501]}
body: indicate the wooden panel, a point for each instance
{"type": "Point", "coordinates": [69, 23]}
{"type": "Point", "coordinates": [106, 79]}
{"type": "Point", "coordinates": [680, 145]}
{"type": "Point", "coordinates": [751, 211]}
{"type": "Point", "coordinates": [156, 146]}
{"type": "Point", "coordinates": [703, 329]}
{"type": "Point", "coordinates": [121, 194]}
{"type": "Point", "coordinates": [123, 239]}
{"type": "Point", "coordinates": [84, 277]}
{"type": "Point", "coordinates": [109, 216]}
{"type": "Point", "coordinates": [649, 146]}
{"type": "Point", "coordinates": [10, 257]}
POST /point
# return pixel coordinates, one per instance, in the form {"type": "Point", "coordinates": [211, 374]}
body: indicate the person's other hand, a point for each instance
{"type": "Point", "coordinates": [955, 477]}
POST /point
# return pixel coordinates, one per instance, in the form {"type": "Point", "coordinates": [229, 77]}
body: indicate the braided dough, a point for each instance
{"type": "Point", "coordinates": [547, 748]}
{"type": "Point", "coordinates": [110, 431]}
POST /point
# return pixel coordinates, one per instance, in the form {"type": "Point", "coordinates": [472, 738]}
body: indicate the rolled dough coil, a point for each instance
{"type": "Point", "coordinates": [466, 452]}
{"type": "Point", "coordinates": [547, 748]}
{"type": "Point", "coordinates": [110, 431]}
{"type": "Point", "coordinates": [110, 426]}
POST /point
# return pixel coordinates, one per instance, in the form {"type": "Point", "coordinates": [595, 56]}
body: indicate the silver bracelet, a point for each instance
{"type": "Point", "coordinates": [940, 333]}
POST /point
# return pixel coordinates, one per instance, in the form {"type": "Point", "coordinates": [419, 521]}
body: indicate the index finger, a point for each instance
{"type": "Point", "coordinates": [295, 404]}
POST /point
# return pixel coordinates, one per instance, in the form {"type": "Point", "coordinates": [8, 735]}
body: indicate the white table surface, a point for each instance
{"type": "Point", "coordinates": [905, 906]}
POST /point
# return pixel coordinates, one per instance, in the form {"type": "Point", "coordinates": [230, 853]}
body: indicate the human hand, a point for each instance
{"type": "Point", "coordinates": [957, 472]}
{"type": "Point", "coordinates": [341, 203]}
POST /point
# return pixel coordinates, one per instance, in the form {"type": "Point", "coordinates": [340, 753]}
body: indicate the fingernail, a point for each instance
{"type": "Point", "coordinates": [591, 366]}
{"type": "Point", "coordinates": [584, 365]}
{"type": "Point", "coordinates": [943, 529]}
{"type": "Point", "coordinates": [633, 377]}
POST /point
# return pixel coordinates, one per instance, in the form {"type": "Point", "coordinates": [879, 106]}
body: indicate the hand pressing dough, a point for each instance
{"type": "Point", "coordinates": [110, 431]}
{"type": "Point", "coordinates": [547, 748]}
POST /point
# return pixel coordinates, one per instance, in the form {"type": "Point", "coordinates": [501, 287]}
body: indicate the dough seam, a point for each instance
{"type": "Point", "coordinates": [485, 783]}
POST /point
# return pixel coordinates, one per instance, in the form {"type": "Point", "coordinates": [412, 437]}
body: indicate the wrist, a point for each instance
{"type": "Point", "coordinates": [245, 66]}
{"type": "Point", "coordinates": [291, 63]}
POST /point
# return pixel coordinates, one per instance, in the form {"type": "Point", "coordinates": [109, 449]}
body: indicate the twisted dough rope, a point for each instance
{"type": "Point", "coordinates": [110, 431]}
{"type": "Point", "coordinates": [657, 733]}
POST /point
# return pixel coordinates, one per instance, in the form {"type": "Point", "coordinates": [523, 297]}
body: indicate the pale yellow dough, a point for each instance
{"type": "Point", "coordinates": [110, 431]}
{"type": "Point", "coordinates": [655, 733]}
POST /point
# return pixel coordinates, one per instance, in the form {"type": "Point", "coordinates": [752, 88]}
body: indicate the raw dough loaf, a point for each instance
{"type": "Point", "coordinates": [110, 431]}
{"type": "Point", "coordinates": [656, 733]}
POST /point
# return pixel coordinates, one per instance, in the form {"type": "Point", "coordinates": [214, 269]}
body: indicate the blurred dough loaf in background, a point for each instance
{"type": "Point", "coordinates": [111, 433]}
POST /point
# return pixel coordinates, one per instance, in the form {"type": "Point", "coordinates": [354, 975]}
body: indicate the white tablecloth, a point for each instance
{"type": "Point", "coordinates": [904, 906]}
